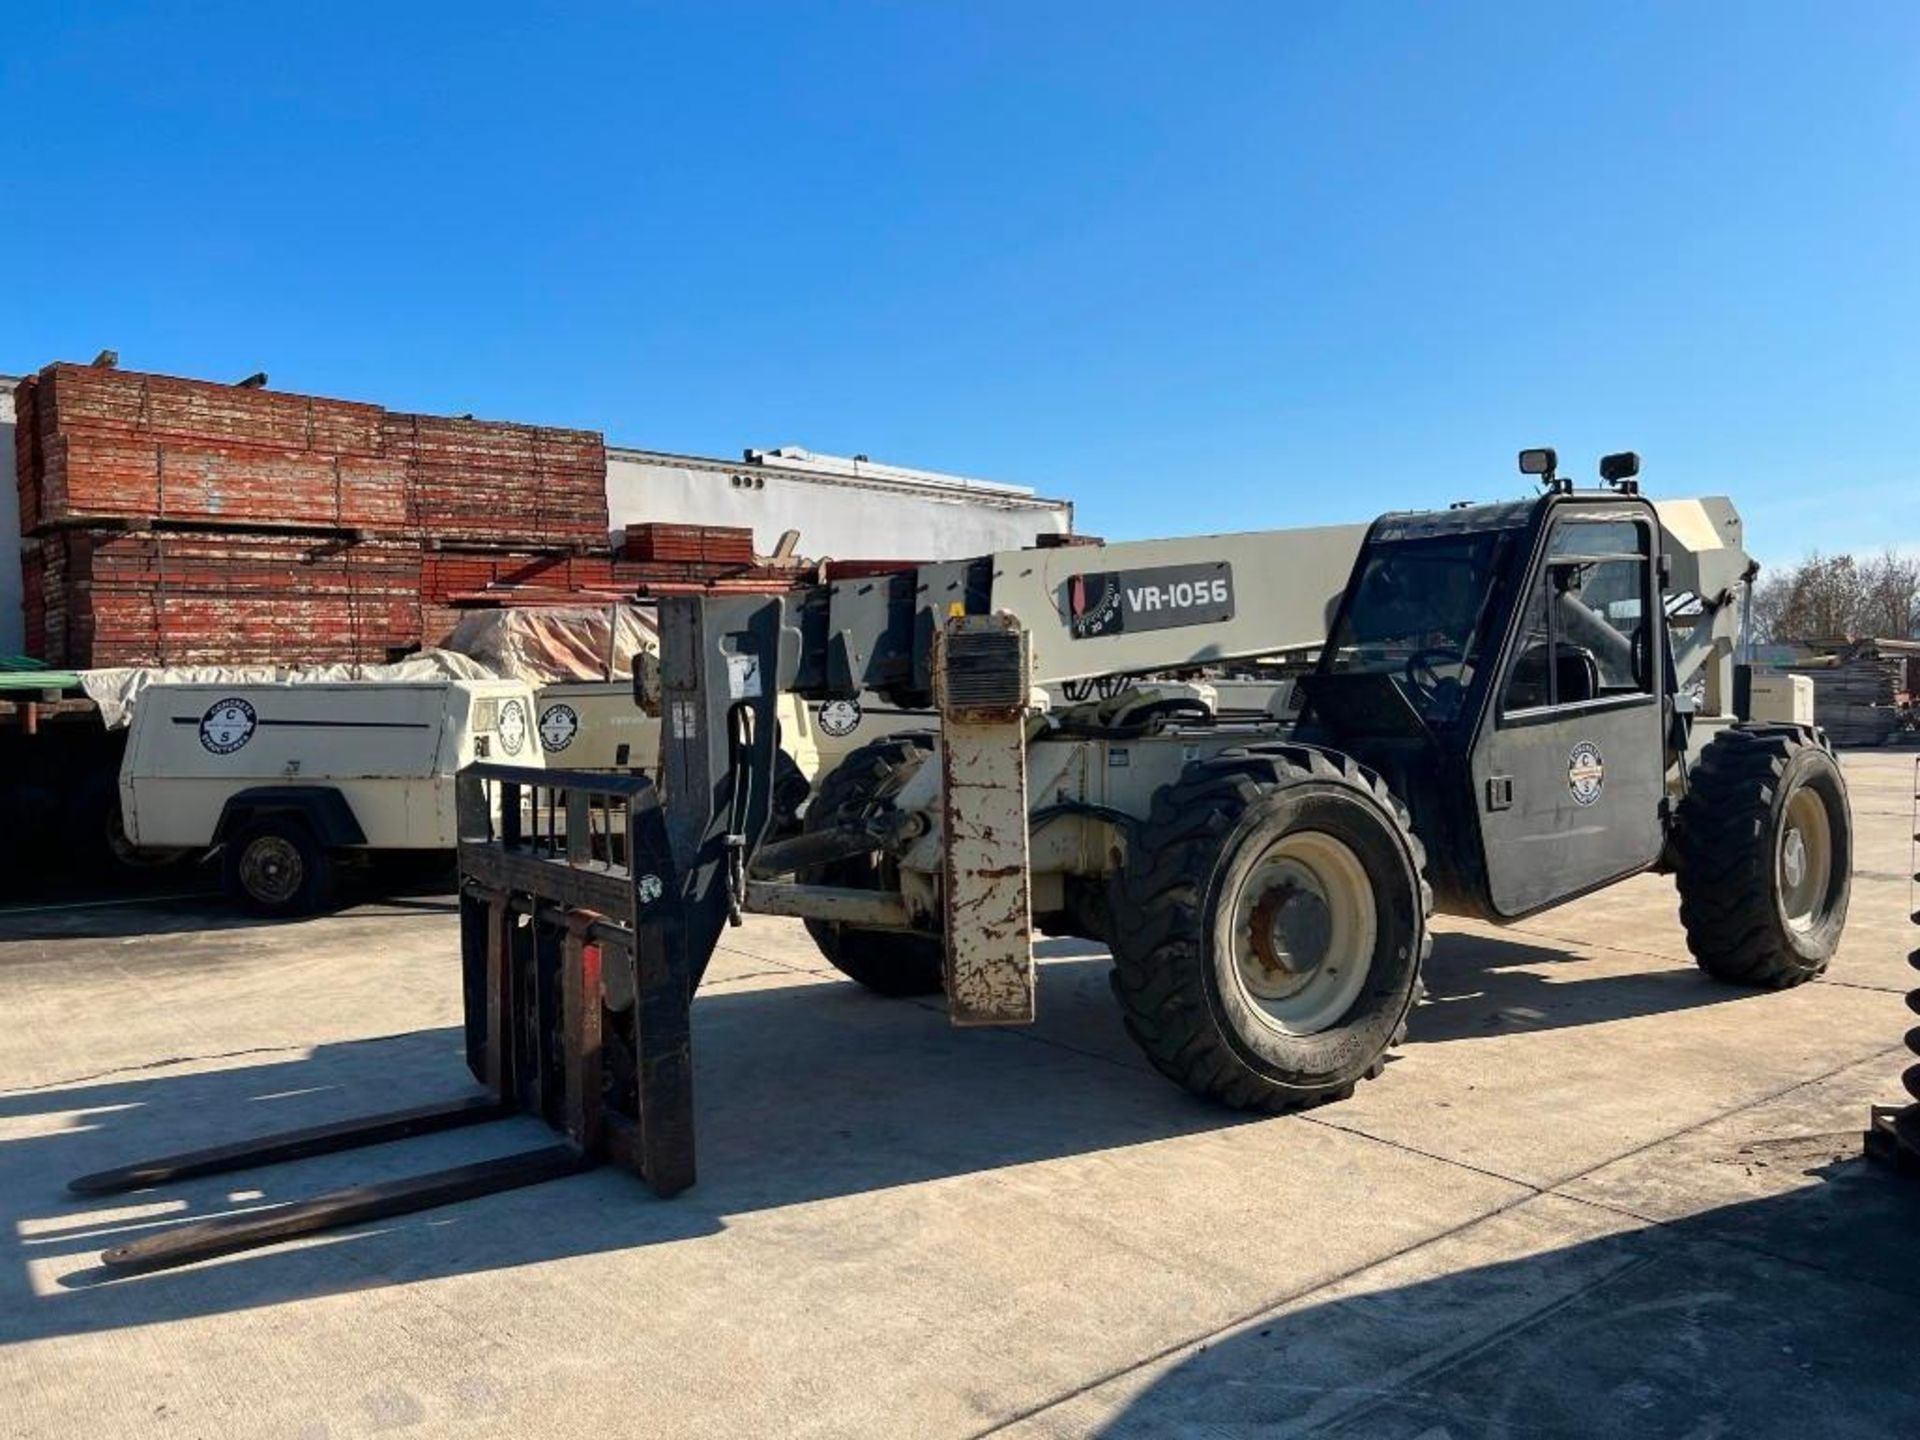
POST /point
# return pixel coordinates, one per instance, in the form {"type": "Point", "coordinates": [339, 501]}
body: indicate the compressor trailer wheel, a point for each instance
{"type": "Point", "coordinates": [277, 866]}
{"type": "Point", "coordinates": [1271, 922]}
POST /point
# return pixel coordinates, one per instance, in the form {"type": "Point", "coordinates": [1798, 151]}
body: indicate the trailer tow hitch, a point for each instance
{"type": "Point", "coordinates": [578, 981]}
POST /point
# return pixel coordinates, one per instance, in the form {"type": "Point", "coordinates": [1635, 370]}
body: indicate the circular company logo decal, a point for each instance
{"type": "Point", "coordinates": [1094, 602]}
{"type": "Point", "coordinates": [558, 725]}
{"type": "Point", "coordinates": [227, 725]}
{"type": "Point", "coordinates": [513, 726]}
{"type": "Point", "coordinates": [1586, 772]}
{"type": "Point", "coordinates": [840, 718]}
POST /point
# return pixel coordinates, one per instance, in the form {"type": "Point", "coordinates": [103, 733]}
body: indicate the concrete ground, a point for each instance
{"type": "Point", "coordinates": [1596, 1195]}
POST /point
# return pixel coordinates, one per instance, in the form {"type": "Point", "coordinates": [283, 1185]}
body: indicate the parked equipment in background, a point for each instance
{"type": "Point", "coordinates": [1856, 688]}
{"type": "Point", "coordinates": [1515, 704]}
{"type": "Point", "coordinates": [1787, 699]}
{"type": "Point", "coordinates": [290, 780]}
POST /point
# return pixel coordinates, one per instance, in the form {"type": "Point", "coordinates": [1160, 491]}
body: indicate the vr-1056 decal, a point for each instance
{"type": "Point", "coordinates": [1114, 602]}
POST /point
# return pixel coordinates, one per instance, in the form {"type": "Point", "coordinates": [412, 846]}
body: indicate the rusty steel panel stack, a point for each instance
{"type": "Point", "coordinates": [511, 484]}
{"type": "Point", "coordinates": [99, 444]}
{"type": "Point", "coordinates": [176, 521]}
{"type": "Point", "coordinates": [652, 560]}
{"type": "Point", "coordinates": [224, 598]}
{"type": "Point", "coordinates": [709, 544]}
{"type": "Point", "coordinates": [453, 581]}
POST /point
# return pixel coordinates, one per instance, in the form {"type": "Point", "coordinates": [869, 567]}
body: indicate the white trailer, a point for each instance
{"type": "Point", "coordinates": [288, 779]}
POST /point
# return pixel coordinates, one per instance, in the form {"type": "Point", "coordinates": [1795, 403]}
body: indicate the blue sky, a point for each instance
{"type": "Point", "coordinates": [1196, 267]}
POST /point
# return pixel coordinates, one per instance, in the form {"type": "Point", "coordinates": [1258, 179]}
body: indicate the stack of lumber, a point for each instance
{"type": "Point", "coordinates": [1854, 694]}
{"type": "Point", "coordinates": [178, 521]}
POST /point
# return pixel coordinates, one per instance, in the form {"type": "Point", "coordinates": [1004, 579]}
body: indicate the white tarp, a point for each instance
{"type": "Point", "coordinates": [115, 691]}
{"type": "Point", "coordinates": [542, 644]}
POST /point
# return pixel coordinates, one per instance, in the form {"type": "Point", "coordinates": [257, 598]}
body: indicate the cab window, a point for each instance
{"type": "Point", "coordinates": [1585, 628]}
{"type": "Point", "coordinates": [1416, 614]}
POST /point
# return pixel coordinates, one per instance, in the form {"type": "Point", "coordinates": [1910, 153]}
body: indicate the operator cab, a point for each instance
{"type": "Point", "coordinates": [1499, 664]}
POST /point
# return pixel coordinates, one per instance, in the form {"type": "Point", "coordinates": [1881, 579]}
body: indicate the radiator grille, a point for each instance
{"type": "Point", "coordinates": [984, 670]}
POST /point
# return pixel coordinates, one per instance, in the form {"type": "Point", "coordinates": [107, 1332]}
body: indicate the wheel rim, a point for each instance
{"type": "Point", "coordinates": [1304, 929]}
{"type": "Point", "coordinates": [1804, 863]}
{"type": "Point", "coordinates": [271, 869]}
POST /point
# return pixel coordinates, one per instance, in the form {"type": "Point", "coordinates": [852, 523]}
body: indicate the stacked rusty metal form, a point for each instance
{"type": "Point", "coordinates": [177, 522]}
{"type": "Point", "coordinates": [1893, 1132]}
{"type": "Point", "coordinates": [662, 544]}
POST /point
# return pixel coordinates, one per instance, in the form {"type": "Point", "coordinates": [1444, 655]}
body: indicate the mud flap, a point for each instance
{"type": "Point", "coordinates": [981, 667]}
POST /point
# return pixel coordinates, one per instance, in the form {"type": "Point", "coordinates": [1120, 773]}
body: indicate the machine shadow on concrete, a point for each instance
{"type": "Point", "coordinates": [1782, 1317]}
{"type": "Point", "coordinates": [186, 899]}
{"type": "Point", "coordinates": [804, 1091]}
{"type": "Point", "coordinates": [1480, 985]}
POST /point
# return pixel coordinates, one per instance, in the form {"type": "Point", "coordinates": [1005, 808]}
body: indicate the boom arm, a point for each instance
{"type": "Point", "coordinates": [1707, 558]}
{"type": "Point", "coordinates": [1091, 610]}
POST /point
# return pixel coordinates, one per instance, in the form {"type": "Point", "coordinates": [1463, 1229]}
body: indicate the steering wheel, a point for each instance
{"type": "Point", "coordinates": [1421, 663]}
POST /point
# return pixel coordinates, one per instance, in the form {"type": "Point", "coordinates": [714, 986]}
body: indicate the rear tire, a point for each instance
{"type": "Point", "coordinates": [888, 962]}
{"type": "Point", "coordinates": [1270, 924]}
{"type": "Point", "coordinates": [278, 867]}
{"type": "Point", "coordinates": [96, 832]}
{"type": "Point", "coordinates": [1764, 843]}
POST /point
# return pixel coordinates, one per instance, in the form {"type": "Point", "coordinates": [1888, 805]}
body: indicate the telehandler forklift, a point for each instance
{"type": "Point", "coordinates": [1515, 704]}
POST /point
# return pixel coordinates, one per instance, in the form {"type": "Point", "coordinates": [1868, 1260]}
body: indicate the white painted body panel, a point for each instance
{"type": "Point", "coordinates": [604, 719]}
{"type": "Point", "coordinates": [1286, 585]}
{"type": "Point", "coordinates": [391, 749]}
{"type": "Point", "coordinates": [595, 725]}
{"type": "Point", "coordinates": [1783, 699]}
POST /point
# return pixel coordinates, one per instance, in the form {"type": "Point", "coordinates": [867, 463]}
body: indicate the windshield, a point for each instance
{"type": "Point", "coordinates": [1416, 614]}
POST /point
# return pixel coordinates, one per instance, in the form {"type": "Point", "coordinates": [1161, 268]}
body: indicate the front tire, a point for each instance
{"type": "Point", "coordinates": [278, 867]}
{"type": "Point", "coordinates": [888, 962]}
{"type": "Point", "coordinates": [1764, 842]}
{"type": "Point", "coordinates": [1270, 927]}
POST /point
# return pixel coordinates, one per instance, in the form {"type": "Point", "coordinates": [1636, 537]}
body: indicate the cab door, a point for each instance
{"type": "Point", "coordinates": [1569, 771]}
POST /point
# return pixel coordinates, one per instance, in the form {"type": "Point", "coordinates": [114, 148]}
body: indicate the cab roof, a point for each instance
{"type": "Point", "coordinates": [1495, 515]}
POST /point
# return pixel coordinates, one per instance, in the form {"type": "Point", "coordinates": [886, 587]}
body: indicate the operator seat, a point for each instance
{"type": "Point", "coordinates": [1576, 672]}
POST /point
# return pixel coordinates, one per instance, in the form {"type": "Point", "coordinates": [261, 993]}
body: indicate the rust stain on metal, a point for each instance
{"type": "Point", "coordinates": [982, 671]}
{"type": "Point", "coordinates": [989, 935]}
